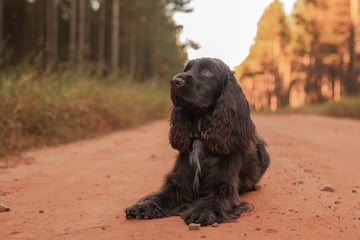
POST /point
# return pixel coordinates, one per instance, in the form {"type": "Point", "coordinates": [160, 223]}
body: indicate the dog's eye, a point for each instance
{"type": "Point", "coordinates": [206, 72]}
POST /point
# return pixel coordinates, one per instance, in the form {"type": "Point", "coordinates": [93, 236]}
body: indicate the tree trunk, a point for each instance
{"type": "Point", "coordinates": [155, 61]}
{"type": "Point", "coordinates": [1, 20]}
{"type": "Point", "coordinates": [51, 44]}
{"type": "Point", "coordinates": [55, 31]}
{"type": "Point", "coordinates": [102, 32]}
{"type": "Point", "coordinates": [133, 45]}
{"type": "Point", "coordinates": [350, 85]}
{"type": "Point", "coordinates": [49, 35]}
{"type": "Point", "coordinates": [133, 50]}
{"type": "Point", "coordinates": [73, 24]}
{"type": "Point", "coordinates": [350, 82]}
{"type": "Point", "coordinates": [81, 32]}
{"type": "Point", "coordinates": [115, 37]}
{"type": "Point", "coordinates": [87, 22]}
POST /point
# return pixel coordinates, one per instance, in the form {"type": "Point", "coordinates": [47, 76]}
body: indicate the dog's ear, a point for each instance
{"type": "Point", "coordinates": [230, 128]}
{"type": "Point", "coordinates": [188, 65]}
{"type": "Point", "coordinates": [180, 130]}
{"type": "Point", "coordinates": [180, 125]}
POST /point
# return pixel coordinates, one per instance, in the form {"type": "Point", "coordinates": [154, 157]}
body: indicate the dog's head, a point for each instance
{"type": "Point", "coordinates": [208, 85]}
{"type": "Point", "coordinates": [199, 86]}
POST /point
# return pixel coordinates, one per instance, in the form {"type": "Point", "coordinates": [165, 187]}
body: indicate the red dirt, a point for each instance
{"type": "Point", "coordinates": [80, 190]}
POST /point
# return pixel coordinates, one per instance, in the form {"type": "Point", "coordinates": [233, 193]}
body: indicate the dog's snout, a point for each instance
{"type": "Point", "coordinates": [177, 82]}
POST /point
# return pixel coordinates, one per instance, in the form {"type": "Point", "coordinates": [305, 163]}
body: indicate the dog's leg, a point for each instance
{"type": "Point", "coordinates": [218, 195]}
{"type": "Point", "coordinates": [263, 156]}
{"type": "Point", "coordinates": [171, 198]}
{"type": "Point", "coordinates": [253, 168]}
{"type": "Point", "coordinates": [217, 208]}
{"type": "Point", "coordinates": [147, 208]}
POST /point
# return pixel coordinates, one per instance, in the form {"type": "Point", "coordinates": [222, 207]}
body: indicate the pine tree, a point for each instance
{"type": "Point", "coordinates": [271, 41]}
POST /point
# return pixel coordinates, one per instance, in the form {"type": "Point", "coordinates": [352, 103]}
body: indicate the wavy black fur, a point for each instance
{"type": "Point", "coordinates": [220, 153]}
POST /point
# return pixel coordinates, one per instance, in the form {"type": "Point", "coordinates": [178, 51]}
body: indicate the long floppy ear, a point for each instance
{"type": "Point", "coordinates": [180, 130]}
{"type": "Point", "coordinates": [230, 128]}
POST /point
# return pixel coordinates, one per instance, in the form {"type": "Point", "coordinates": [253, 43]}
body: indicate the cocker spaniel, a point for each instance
{"type": "Point", "coordinates": [220, 154]}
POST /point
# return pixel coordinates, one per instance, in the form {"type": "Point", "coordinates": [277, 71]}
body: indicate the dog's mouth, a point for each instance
{"type": "Point", "coordinates": [180, 97]}
{"type": "Point", "coordinates": [188, 102]}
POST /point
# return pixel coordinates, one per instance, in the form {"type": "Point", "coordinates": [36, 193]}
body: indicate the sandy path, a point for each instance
{"type": "Point", "coordinates": [80, 190]}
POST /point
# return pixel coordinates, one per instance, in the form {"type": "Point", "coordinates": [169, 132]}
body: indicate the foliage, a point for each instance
{"type": "Point", "coordinates": [40, 111]}
{"type": "Point", "coordinates": [311, 54]}
{"type": "Point", "coordinates": [80, 68]}
{"type": "Point", "coordinates": [273, 32]}
{"type": "Point", "coordinates": [348, 107]}
{"type": "Point", "coordinates": [178, 6]}
{"type": "Point", "coordinates": [56, 32]}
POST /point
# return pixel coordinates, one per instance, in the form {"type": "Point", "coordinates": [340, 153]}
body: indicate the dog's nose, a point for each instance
{"type": "Point", "coordinates": [177, 82]}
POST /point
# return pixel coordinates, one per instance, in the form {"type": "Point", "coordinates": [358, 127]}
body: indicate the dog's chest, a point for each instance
{"type": "Point", "coordinates": [197, 155]}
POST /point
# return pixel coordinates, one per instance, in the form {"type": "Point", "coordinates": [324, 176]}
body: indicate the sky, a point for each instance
{"type": "Point", "coordinates": [224, 29]}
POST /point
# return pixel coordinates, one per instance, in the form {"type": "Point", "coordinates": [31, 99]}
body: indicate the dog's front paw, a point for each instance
{"type": "Point", "coordinates": [144, 211]}
{"type": "Point", "coordinates": [200, 216]}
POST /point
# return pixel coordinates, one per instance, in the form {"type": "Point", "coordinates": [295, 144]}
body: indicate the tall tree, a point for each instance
{"type": "Point", "coordinates": [322, 53]}
{"type": "Point", "coordinates": [1, 19]}
{"type": "Point", "coordinates": [307, 44]}
{"type": "Point", "coordinates": [351, 84]}
{"type": "Point", "coordinates": [272, 36]}
{"type": "Point", "coordinates": [132, 40]}
{"type": "Point", "coordinates": [102, 38]}
{"type": "Point", "coordinates": [317, 42]}
{"type": "Point", "coordinates": [144, 33]}
{"type": "Point", "coordinates": [115, 36]}
{"type": "Point", "coordinates": [73, 28]}
{"type": "Point", "coordinates": [51, 49]}
{"type": "Point", "coordinates": [271, 41]}
{"type": "Point", "coordinates": [81, 32]}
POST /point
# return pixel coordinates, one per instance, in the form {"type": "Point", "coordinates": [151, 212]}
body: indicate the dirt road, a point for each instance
{"type": "Point", "coordinates": [80, 190]}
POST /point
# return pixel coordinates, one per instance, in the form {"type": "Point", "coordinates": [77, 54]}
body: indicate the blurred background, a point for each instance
{"type": "Point", "coordinates": [307, 57]}
{"type": "Point", "coordinates": [134, 38]}
{"type": "Point", "coordinates": [71, 69]}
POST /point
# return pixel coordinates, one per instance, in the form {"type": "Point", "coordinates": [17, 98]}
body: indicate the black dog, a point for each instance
{"type": "Point", "coordinates": [220, 155]}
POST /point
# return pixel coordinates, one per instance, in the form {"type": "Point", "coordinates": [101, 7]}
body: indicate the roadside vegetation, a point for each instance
{"type": "Point", "coordinates": [347, 107]}
{"type": "Point", "coordinates": [77, 69]}
{"type": "Point", "coordinates": [63, 107]}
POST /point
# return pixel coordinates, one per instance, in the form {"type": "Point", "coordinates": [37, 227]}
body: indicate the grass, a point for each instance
{"type": "Point", "coordinates": [347, 107]}
{"type": "Point", "coordinates": [38, 111]}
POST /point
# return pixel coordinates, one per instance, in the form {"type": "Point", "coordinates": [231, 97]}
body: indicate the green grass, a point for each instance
{"type": "Point", "coordinates": [347, 107]}
{"type": "Point", "coordinates": [38, 111]}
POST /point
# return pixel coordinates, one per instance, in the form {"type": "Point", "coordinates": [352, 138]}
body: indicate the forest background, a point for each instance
{"type": "Point", "coordinates": [72, 69]}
